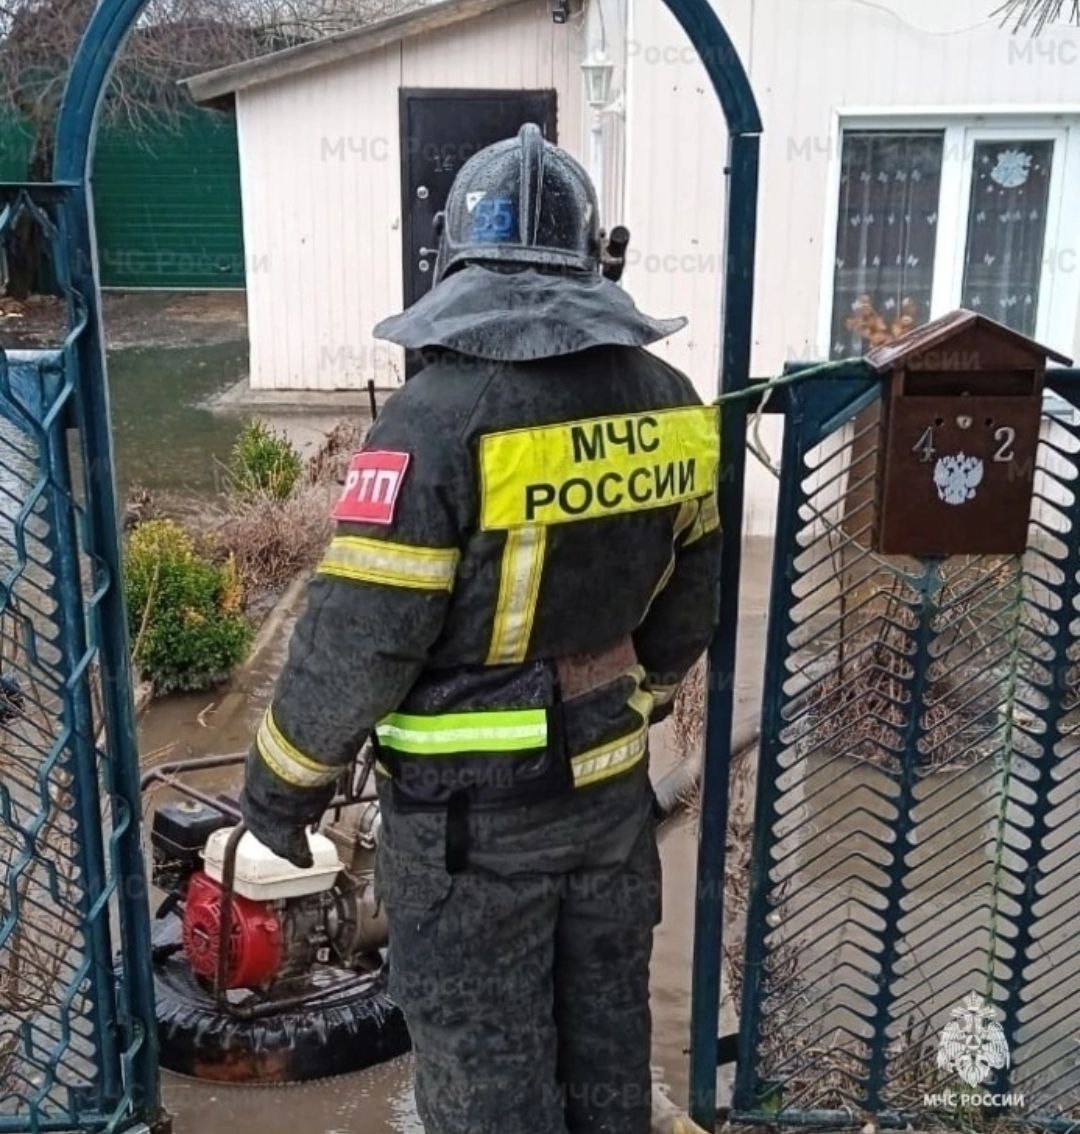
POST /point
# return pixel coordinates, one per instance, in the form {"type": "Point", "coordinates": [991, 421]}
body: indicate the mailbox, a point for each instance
{"type": "Point", "coordinates": [962, 409]}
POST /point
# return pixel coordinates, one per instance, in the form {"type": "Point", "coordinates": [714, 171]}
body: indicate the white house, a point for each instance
{"type": "Point", "coordinates": [916, 157]}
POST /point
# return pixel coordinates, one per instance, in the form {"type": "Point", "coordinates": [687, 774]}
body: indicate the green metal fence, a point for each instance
{"type": "Point", "coordinates": [166, 199]}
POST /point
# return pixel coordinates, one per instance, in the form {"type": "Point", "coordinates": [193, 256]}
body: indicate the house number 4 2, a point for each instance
{"type": "Point", "coordinates": [1004, 437]}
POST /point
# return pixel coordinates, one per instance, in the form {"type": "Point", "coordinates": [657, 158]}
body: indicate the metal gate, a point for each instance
{"type": "Point", "coordinates": [77, 1032]}
{"type": "Point", "coordinates": [917, 809]}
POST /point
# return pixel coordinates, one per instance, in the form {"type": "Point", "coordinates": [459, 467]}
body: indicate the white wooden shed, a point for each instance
{"type": "Point", "coordinates": [334, 172]}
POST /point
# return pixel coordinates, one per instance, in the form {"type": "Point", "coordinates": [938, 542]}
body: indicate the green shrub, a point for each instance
{"type": "Point", "coordinates": [185, 613]}
{"type": "Point", "coordinates": [264, 462]}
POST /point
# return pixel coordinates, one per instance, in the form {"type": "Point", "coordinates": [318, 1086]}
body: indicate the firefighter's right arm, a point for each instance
{"type": "Point", "coordinates": [375, 608]}
{"type": "Point", "coordinates": [682, 616]}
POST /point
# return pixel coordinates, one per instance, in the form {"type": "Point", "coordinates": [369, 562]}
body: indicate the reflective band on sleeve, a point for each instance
{"type": "Point", "coordinates": [610, 759]}
{"type": "Point", "coordinates": [684, 518]}
{"type": "Point", "coordinates": [287, 762]}
{"type": "Point", "coordinates": [603, 466]}
{"type": "Point", "coordinates": [445, 734]}
{"type": "Point", "coordinates": [662, 694]}
{"type": "Point", "coordinates": [618, 756]}
{"type": "Point", "coordinates": [519, 586]}
{"type": "Point", "coordinates": [391, 564]}
{"type": "Point", "coordinates": [708, 520]}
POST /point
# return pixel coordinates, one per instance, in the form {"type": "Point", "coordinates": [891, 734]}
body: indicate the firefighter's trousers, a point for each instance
{"type": "Point", "coordinates": [524, 977]}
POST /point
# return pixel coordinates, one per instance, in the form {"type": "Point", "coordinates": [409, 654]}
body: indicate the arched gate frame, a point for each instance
{"type": "Point", "coordinates": [77, 1038]}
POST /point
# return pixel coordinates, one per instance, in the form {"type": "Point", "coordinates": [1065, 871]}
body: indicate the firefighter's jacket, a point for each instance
{"type": "Point", "coordinates": [525, 567]}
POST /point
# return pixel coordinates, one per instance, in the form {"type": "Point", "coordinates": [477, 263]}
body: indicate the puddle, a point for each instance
{"type": "Point", "coordinates": [165, 437]}
{"type": "Point", "coordinates": [379, 1099]}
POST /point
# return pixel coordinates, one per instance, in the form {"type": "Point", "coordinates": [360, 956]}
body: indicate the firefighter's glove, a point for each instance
{"type": "Point", "coordinates": [284, 837]}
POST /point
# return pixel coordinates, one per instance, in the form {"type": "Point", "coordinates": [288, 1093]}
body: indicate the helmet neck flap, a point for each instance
{"type": "Point", "coordinates": [523, 315]}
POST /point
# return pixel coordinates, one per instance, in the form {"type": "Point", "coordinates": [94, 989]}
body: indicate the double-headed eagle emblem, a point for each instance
{"type": "Point", "coordinates": [956, 478]}
{"type": "Point", "coordinates": [973, 1044]}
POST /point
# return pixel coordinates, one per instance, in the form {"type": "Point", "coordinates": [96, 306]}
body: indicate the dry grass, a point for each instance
{"type": "Point", "coordinates": [271, 540]}
{"type": "Point", "coordinates": [688, 714]}
{"type": "Point", "coordinates": [330, 464]}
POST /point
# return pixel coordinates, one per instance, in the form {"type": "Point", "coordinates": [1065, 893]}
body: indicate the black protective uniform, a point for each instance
{"type": "Point", "coordinates": [525, 567]}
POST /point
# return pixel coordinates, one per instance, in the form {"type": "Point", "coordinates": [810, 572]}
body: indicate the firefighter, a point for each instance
{"type": "Point", "coordinates": [525, 568]}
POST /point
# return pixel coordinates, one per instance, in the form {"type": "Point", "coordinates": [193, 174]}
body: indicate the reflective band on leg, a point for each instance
{"type": "Point", "coordinates": [445, 734]}
{"type": "Point", "coordinates": [522, 567]}
{"type": "Point", "coordinates": [391, 564]}
{"type": "Point", "coordinates": [287, 762]}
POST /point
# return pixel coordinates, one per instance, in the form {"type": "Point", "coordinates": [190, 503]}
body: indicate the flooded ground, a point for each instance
{"type": "Point", "coordinates": [167, 438]}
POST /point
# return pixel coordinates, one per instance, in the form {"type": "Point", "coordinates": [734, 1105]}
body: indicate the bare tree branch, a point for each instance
{"type": "Point", "coordinates": [1036, 14]}
{"type": "Point", "coordinates": [172, 40]}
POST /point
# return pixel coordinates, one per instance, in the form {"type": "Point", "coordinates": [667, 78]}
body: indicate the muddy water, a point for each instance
{"type": "Point", "coordinates": [378, 1101]}
{"type": "Point", "coordinates": [166, 438]}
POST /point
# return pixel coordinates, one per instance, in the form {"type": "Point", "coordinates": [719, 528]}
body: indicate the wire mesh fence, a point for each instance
{"type": "Point", "coordinates": [69, 1028]}
{"type": "Point", "coordinates": [916, 810]}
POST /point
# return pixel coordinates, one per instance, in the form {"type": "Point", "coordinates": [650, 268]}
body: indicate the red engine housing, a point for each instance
{"type": "Point", "coordinates": [256, 947]}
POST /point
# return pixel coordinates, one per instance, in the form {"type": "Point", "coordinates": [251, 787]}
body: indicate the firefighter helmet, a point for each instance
{"type": "Point", "coordinates": [522, 201]}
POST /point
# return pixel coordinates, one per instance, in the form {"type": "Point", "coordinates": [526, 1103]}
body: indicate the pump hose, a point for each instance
{"type": "Point", "coordinates": [676, 788]}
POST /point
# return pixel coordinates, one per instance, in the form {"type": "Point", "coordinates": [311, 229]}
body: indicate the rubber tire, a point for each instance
{"type": "Point", "coordinates": [197, 1038]}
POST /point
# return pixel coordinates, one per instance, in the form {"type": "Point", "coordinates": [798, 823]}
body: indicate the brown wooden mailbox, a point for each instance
{"type": "Point", "coordinates": [962, 410]}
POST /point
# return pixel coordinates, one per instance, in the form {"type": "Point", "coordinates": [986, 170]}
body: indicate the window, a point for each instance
{"type": "Point", "coordinates": [886, 236]}
{"type": "Point", "coordinates": [1006, 230]}
{"type": "Point", "coordinates": [934, 218]}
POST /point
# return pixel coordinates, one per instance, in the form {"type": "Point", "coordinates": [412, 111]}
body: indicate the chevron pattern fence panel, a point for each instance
{"type": "Point", "coordinates": [913, 883]}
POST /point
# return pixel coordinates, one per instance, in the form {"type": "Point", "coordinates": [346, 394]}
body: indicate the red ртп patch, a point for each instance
{"type": "Point", "coordinates": [372, 485]}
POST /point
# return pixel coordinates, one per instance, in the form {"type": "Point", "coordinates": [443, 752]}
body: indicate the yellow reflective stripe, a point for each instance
{"type": "Point", "coordinates": [684, 518]}
{"type": "Point", "coordinates": [642, 700]}
{"type": "Point", "coordinates": [286, 761]}
{"type": "Point", "coordinates": [708, 520]}
{"type": "Point", "coordinates": [662, 694]}
{"type": "Point", "coordinates": [610, 759]}
{"type": "Point", "coordinates": [617, 756]}
{"type": "Point", "coordinates": [519, 586]}
{"type": "Point", "coordinates": [391, 564]}
{"type": "Point", "coordinates": [447, 734]}
{"type": "Point", "coordinates": [602, 466]}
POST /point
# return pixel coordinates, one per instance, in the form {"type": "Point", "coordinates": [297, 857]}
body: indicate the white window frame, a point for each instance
{"type": "Point", "coordinates": [1059, 288]}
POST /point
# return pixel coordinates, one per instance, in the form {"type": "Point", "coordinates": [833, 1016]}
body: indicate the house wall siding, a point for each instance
{"type": "Point", "coordinates": [808, 63]}
{"type": "Point", "coordinates": [321, 177]}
